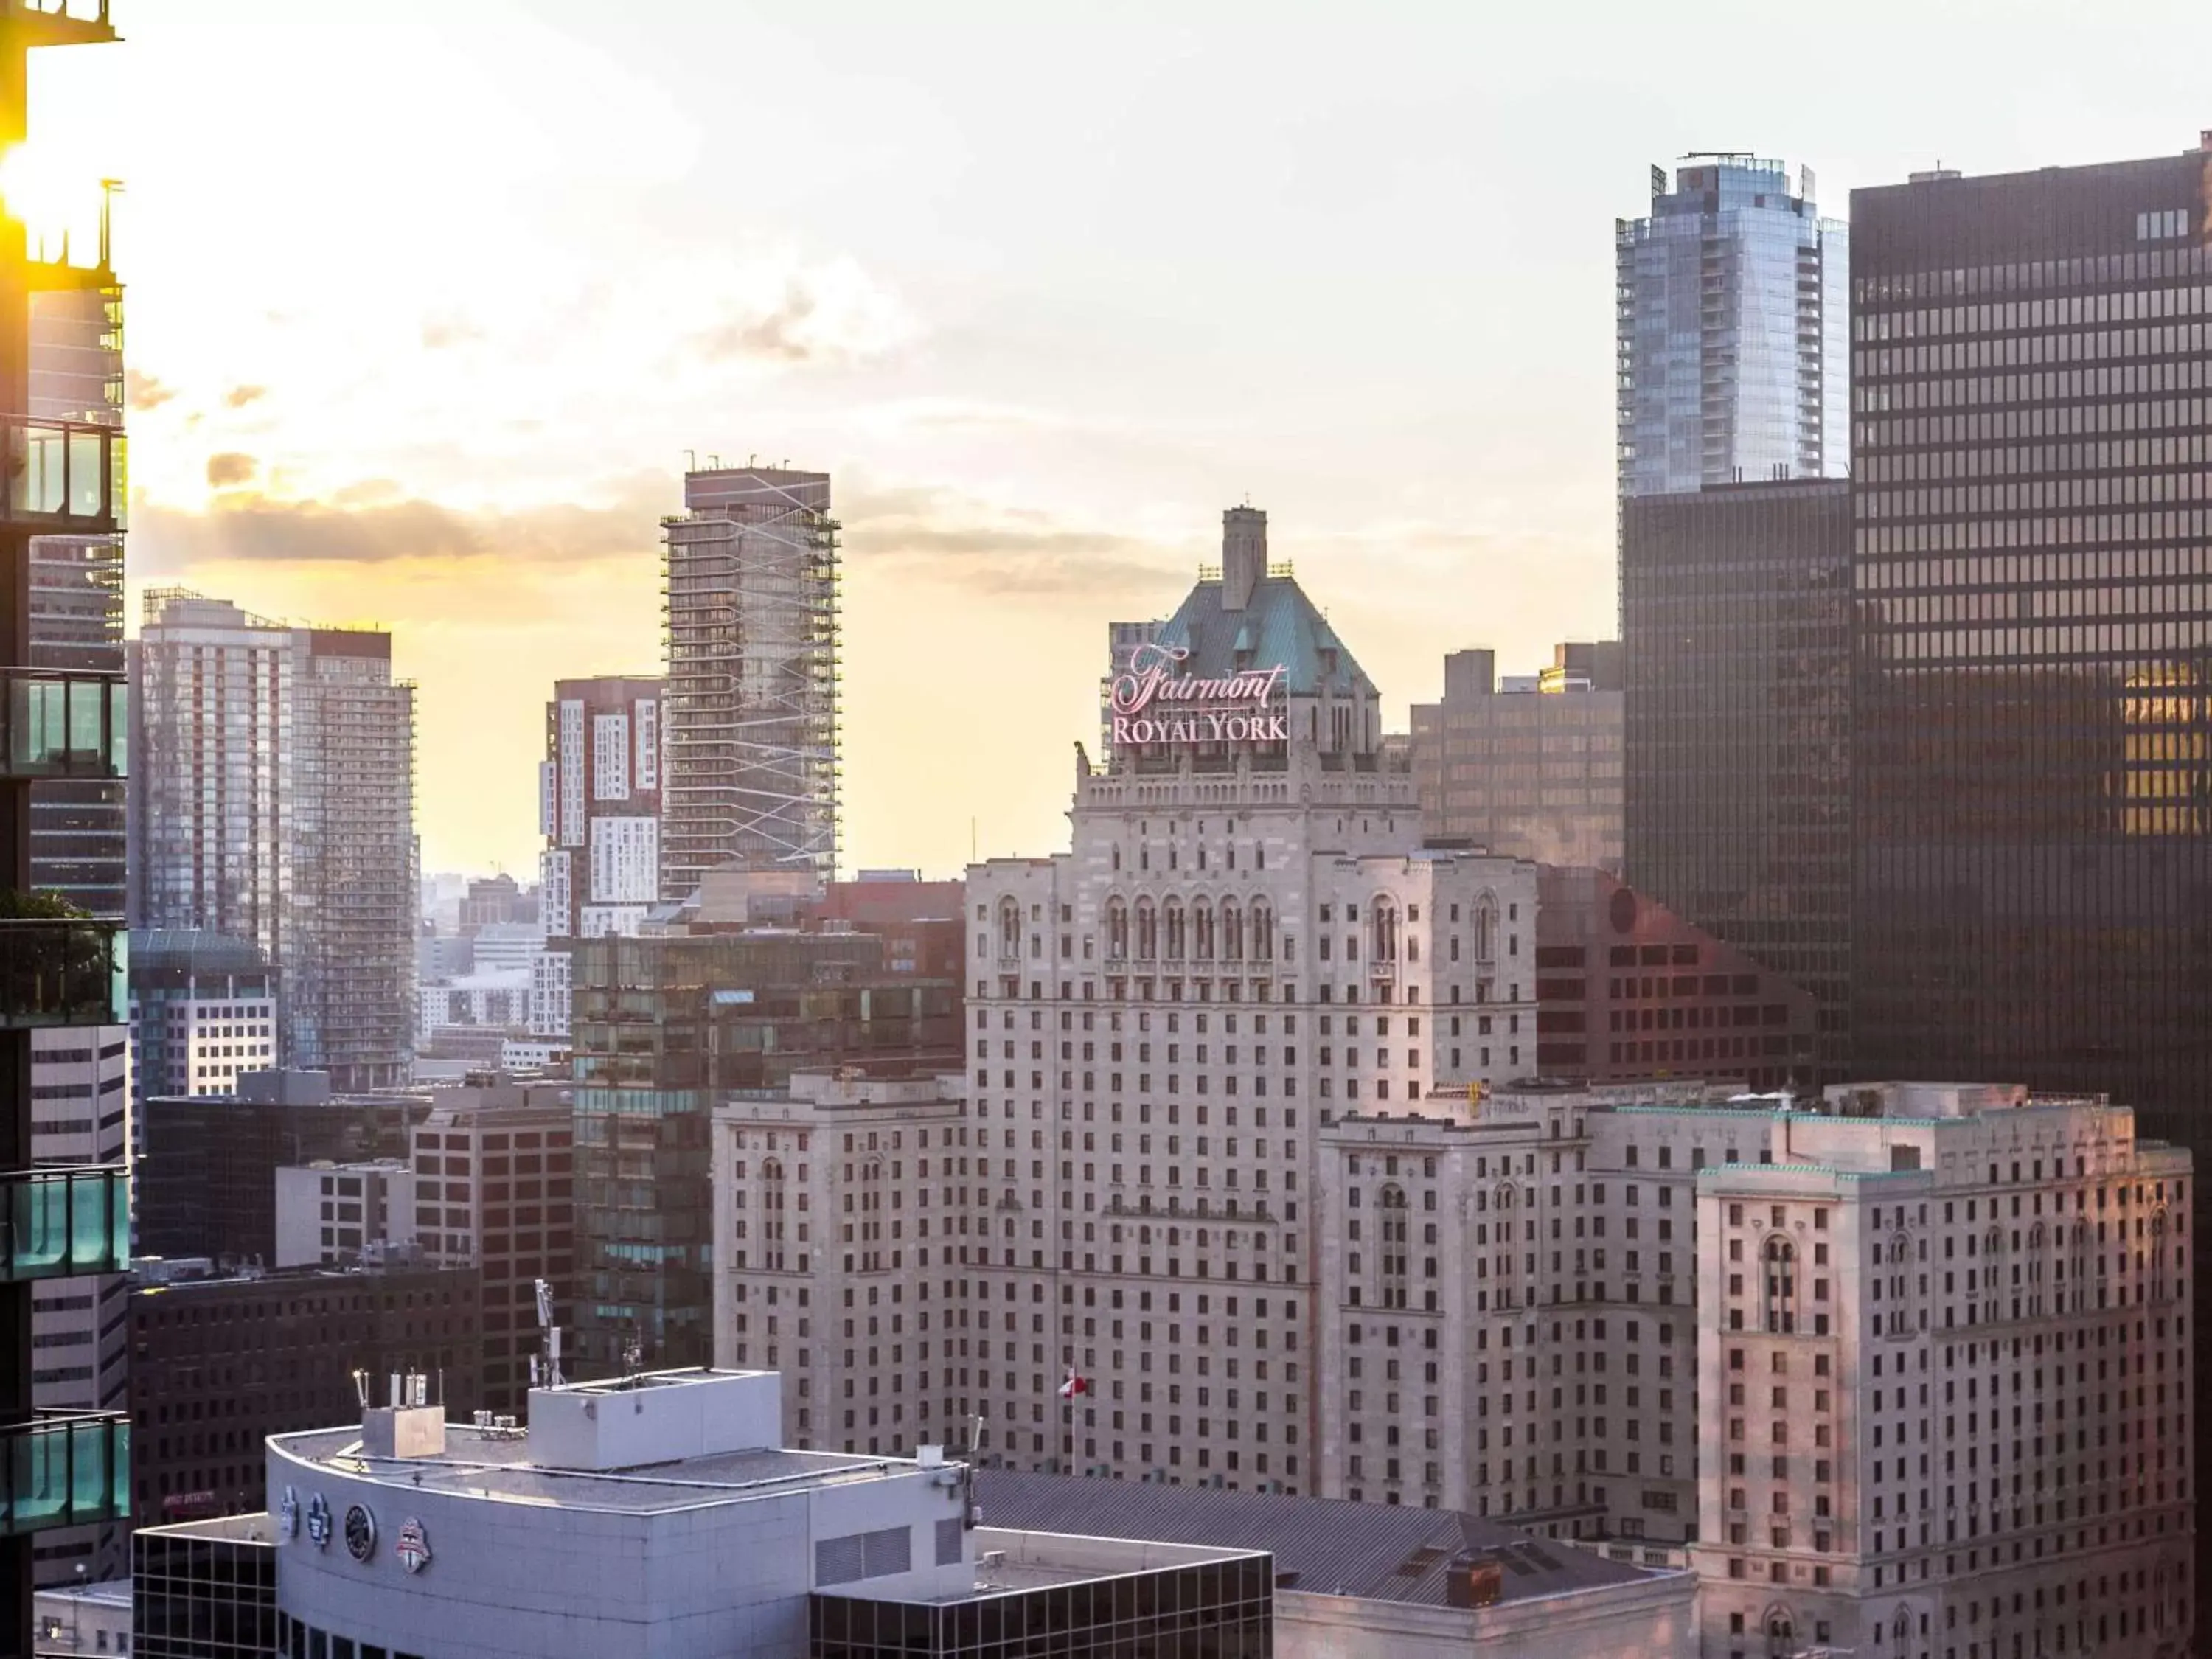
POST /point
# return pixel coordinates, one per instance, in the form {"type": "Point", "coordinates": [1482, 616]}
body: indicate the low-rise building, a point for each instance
{"type": "Point", "coordinates": [73, 1618]}
{"type": "Point", "coordinates": [655, 1516]}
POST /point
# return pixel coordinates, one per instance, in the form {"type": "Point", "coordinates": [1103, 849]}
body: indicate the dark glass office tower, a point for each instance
{"type": "Point", "coordinates": [1735, 634]}
{"type": "Point", "coordinates": [2032, 431]}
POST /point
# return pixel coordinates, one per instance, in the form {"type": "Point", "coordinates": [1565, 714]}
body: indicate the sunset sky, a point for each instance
{"type": "Point", "coordinates": [428, 302]}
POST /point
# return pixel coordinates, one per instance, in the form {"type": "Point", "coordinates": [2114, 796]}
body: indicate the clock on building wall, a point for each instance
{"type": "Point", "coordinates": [360, 1533]}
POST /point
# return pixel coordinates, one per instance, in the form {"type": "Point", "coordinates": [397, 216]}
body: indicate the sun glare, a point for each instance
{"type": "Point", "coordinates": [51, 198]}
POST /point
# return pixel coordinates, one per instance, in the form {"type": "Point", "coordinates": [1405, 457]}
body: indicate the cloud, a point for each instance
{"type": "Point", "coordinates": [370, 524]}
{"type": "Point", "coordinates": [958, 540]}
{"type": "Point", "coordinates": [145, 391]}
{"type": "Point", "coordinates": [789, 313]}
{"type": "Point", "coordinates": [239, 396]}
{"type": "Point", "coordinates": [442, 329]}
{"type": "Point", "coordinates": [230, 468]}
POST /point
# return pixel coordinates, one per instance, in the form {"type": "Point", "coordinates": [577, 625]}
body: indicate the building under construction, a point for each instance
{"type": "Point", "coordinates": [749, 607]}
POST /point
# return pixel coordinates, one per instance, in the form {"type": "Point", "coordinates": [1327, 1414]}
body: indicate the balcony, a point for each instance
{"type": "Point", "coordinates": [60, 972]}
{"type": "Point", "coordinates": [64, 1469]}
{"type": "Point", "coordinates": [62, 723]}
{"type": "Point", "coordinates": [62, 477]}
{"type": "Point", "coordinates": [57, 1222]}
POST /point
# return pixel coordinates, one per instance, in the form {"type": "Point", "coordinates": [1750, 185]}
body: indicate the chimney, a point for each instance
{"type": "Point", "coordinates": [1243, 554]}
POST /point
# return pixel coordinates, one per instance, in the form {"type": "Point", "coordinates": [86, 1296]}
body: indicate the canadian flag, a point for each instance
{"type": "Point", "coordinates": [1076, 1383]}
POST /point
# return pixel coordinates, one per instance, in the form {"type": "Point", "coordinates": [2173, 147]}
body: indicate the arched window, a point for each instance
{"type": "Point", "coordinates": [1233, 931]}
{"type": "Point", "coordinates": [1201, 931]}
{"type": "Point", "coordinates": [1781, 1631]}
{"type": "Point", "coordinates": [1010, 929]}
{"type": "Point", "coordinates": [1486, 928]}
{"type": "Point", "coordinates": [1263, 931]}
{"type": "Point", "coordinates": [1383, 919]}
{"type": "Point", "coordinates": [1781, 1265]}
{"type": "Point", "coordinates": [1176, 943]}
{"type": "Point", "coordinates": [1117, 930]}
{"type": "Point", "coordinates": [1148, 931]}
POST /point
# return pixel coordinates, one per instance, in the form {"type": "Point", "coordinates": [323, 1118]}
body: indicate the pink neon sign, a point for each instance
{"type": "Point", "coordinates": [1154, 703]}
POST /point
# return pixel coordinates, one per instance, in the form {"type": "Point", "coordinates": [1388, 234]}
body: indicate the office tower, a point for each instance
{"type": "Point", "coordinates": [664, 1027]}
{"type": "Point", "coordinates": [1742, 1323]}
{"type": "Point", "coordinates": [60, 968]}
{"type": "Point", "coordinates": [1735, 628]}
{"type": "Point", "coordinates": [277, 805]}
{"type": "Point", "coordinates": [857, 1153]}
{"type": "Point", "coordinates": [749, 599]}
{"type": "Point", "coordinates": [203, 1014]}
{"type": "Point", "coordinates": [345, 1215]}
{"type": "Point", "coordinates": [1245, 937]}
{"type": "Point", "coordinates": [1532, 768]}
{"type": "Point", "coordinates": [207, 1186]}
{"type": "Point", "coordinates": [2033, 756]}
{"type": "Point", "coordinates": [222, 1360]}
{"type": "Point", "coordinates": [1627, 990]}
{"type": "Point", "coordinates": [1731, 322]}
{"type": "Point", "coordinates": [494, 1166]}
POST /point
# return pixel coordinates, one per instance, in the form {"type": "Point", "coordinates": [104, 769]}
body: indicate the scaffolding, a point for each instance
{"type": "Point", "coordinates": [749, 618]}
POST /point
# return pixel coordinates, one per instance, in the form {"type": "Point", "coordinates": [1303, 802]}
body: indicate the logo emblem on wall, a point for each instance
{"type": "Point", "coordinates": [412, 1546]}
{"type": "Point", "coordinates": [287, 1516]}
{"type": "Point", "coordinates": [361, 1532]}
{"type": "Point", "coordinates": [319, 1522]}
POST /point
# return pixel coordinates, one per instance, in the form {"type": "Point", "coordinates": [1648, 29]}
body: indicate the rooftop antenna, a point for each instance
{"type": "Point", "coordinates": [552, 1338]}
{"type": "Point", "coordinates": [633, 1355]}
{"type": "Point", "coordinates": [691, 460]}
{"type": "Point", "coordinates": [361, 1387]}
{"type": "Point", "coordinates": [714, 462]}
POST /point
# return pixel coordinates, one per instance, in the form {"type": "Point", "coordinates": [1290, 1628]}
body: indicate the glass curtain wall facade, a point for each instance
{"type": "Point", "coordinates": [1736, 626]}
{"type": "Point", "coordinates": [1732, 323]}
{"type": "Point", "coordinates": [2034, 608]}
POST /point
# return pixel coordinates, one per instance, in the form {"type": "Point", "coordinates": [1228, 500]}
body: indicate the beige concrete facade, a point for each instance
{"type": "Point", "coordinates": [1869, 1362]}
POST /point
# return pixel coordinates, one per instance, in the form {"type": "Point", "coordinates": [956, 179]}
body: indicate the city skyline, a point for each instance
{"type": "Point", "coordinates": [894, 293]}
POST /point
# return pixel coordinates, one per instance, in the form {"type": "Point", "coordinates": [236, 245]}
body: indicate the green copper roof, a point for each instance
{"type": "Point", "coordinates": [1280, 625]}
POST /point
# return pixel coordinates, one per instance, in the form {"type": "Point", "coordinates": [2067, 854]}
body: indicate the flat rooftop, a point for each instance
{"type": "Point", "coordinates": [497, 1465]}
{"type": "Point", "coordinates": [1010, 1562]}
{"type": "Point", "coordinates": [1320, 1546]}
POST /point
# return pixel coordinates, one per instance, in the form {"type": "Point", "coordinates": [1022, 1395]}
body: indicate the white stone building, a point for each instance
{"type": "Point", "coordinates": [1244, 938]}
{"type": "Point", "coordinates": [1869, 1362]}
{"type": "Point", "coordinates": [835, 1253]}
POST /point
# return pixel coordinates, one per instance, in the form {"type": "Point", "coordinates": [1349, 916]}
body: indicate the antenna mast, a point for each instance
{"type": "Point", "coordinates": [552, 1340]}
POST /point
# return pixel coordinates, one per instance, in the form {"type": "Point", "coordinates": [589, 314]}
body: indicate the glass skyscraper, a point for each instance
{"type": "Point", "coordinates": [2032, 754]}
{"type": "Point", "coordinates": [1733, 317]}
{"type": "Point", "coordinates": [1736, 625]}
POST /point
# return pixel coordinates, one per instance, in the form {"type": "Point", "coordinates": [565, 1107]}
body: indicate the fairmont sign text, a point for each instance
{"type": "Point", "coordinates": [1155, 703]}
